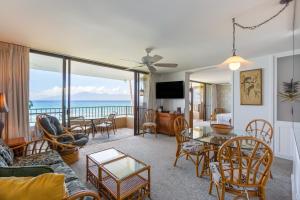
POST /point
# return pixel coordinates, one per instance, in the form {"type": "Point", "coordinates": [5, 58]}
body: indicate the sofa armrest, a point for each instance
{"type": "Point", "coordinates": [24, 171]}
{"type": "Point", "coordinates": [84, 193]}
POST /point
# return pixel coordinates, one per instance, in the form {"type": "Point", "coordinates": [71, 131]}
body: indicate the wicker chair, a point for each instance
{"type": "Point", "coordinates": [238, 173]}
{"type": "Point", "coordinates": [106, 124]}
{"type": "Point", "coordinates": [81, 125]}
{"type": "Point", "coordinates": [49, 127]}
{"type": "Point", "coordinates": [188, 148]}
{"type": "Point", "coordinates": [263, 130]}
{"type": "Point", "coordinates": [150, 122]}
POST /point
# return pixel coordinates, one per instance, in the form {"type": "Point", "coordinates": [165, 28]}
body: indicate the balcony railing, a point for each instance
{"type": "Point", "coordinates": [86, 112]}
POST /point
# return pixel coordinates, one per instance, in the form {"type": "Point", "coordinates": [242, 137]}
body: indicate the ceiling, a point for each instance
{"type": "Point", "coordinates": [47, 63]}
{"type": "Point", "coordinates": [191, 33]}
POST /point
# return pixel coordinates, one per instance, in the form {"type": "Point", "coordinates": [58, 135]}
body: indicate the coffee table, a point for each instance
{"type": "Point", "coordinates": [117, 175]}
{"type": "Point", "coordinates": [95, 160]}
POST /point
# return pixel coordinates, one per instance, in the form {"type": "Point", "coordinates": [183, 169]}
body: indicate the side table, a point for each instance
{"type": "Point", "coordinates": [14, 142]}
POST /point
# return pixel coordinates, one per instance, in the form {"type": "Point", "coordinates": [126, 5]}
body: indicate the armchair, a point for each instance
{"type": "Point", "coordinates": [63, 140]}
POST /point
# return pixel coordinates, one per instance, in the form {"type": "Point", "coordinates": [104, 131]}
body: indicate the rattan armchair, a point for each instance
{"type": "Point", "coordinates": [239, 173]}
{"type": "Point", "coordinates": [71, 141]}
{"type": "Point", "coordinates": [150, 122]}
{"type": "Point", "coordinates": [187, 148]}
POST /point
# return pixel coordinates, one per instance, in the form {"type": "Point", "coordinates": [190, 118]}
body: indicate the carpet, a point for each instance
{"type": "Point", "coordinates": [178, 183]}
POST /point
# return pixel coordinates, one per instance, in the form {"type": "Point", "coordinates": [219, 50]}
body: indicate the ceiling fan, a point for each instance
{"type": "Point", "coordinates": [151, 62]}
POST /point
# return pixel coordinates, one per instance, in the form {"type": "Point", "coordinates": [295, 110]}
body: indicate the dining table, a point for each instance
{"type": "Point", "coordinates": [213, 141]}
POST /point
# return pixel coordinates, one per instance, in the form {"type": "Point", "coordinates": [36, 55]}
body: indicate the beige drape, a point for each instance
{"type": "Point", "coordinates": [14, 83]}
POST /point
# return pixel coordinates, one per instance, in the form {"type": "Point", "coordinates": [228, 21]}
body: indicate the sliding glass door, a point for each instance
{"type": "Point", "coordinates": [47, 87]}
{"type": "Point", "coordinates": [67, 88]}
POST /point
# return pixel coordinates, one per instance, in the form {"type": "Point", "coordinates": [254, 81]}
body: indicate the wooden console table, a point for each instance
{"type": "Point", "coordinates": [165, 123]}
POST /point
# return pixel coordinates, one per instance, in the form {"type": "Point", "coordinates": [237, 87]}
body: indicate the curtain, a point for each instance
{"type": "Point", "coordinates": [214, 99]}
{"type": "Point", "coordinates": [14, 83]}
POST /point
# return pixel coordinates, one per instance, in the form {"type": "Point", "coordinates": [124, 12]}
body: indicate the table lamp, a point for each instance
{"type": "Point", "coordinates": [3, 109]}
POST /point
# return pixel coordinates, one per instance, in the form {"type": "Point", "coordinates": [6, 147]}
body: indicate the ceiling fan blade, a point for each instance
{"type": "Point", "coordinates": [156, 58]}
{"type": "Point", "coordinates": [151, 68]}
{"type": "Point", "coordinates": [171, 65]}
{"type": "Point", "coordinates": [128, 60]}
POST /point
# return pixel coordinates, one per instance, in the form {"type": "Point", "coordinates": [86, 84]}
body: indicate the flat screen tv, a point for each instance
{"type": "Point", "coordinates": [170, 90]}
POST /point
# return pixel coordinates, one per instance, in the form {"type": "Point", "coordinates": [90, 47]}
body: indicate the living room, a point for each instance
{"type": "Point", "coordinates": [150, 100]}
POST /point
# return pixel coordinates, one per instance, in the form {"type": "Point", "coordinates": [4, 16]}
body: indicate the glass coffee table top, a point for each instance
{"type": "Point", "coordinates": [124, 167]}
{"type": "Point", "coordinates": [106, 155]}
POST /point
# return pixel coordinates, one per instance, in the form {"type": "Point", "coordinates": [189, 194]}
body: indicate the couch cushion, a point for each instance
{"type": "Point", "coordinates": [47, 158]}
{"type": "Point", "coordinates": [63, 168]}
{"type": "Point", "coordinates": [75, 186]}
{"type": "Point", "coordinates": [48, 186]}
{"type": "Point", "coordinates": [2, 162]}
{"type": "Point", "coordinates": [6, 153]}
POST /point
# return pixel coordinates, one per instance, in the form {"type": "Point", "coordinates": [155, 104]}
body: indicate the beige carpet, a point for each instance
{"type": "Point", "coordinates": [178, 183]}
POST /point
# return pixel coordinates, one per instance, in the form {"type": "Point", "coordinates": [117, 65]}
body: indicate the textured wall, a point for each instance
{"type": "Point", "coordinates": [224, 97]}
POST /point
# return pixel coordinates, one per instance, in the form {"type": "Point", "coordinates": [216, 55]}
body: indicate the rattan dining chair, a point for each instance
{"type": "Point", "coordinates": [239, 173]}
{"type": "Point", "coordinates": [263, 130]}
{"type": "Point", "coordinates": [150, 122]}
{"type": "Point", "coordinates": [187, 148]}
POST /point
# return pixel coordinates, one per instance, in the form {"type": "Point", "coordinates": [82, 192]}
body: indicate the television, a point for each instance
{"type": "Point", "coordinates": [170, 90]}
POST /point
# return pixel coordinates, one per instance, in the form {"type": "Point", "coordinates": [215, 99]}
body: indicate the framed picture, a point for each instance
{"type": "Point", "coordinates": [251, 87]}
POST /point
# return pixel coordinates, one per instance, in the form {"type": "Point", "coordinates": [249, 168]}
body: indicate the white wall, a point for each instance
{"type": "Point", "coordinates": [245, 113]}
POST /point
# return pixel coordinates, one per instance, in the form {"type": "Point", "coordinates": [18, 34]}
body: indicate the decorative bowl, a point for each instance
{"type": "Point", "coordinates": [222, 129]}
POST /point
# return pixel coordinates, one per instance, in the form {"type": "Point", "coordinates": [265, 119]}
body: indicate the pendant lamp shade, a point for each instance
{"type": "Point", "coordinates": [235, 62]}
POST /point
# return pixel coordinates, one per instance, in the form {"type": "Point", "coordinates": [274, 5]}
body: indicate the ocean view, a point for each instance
{"type": "Point", "coordinates": [86, 103]}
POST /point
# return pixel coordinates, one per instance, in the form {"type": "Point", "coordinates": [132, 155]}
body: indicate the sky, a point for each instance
{"type": "Point", "coordinates": [47, 85]}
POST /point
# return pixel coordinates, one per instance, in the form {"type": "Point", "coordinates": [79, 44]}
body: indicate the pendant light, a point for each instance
{"type": "Point", "coordinates": [235, 62]}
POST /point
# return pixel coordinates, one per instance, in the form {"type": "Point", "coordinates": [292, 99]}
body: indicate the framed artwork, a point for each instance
{"type": "Point", "coordinates": [251, 87]}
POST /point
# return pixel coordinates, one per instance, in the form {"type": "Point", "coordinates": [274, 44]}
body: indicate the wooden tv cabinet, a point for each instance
{"type": "Point", "coordinates": [165, 123]}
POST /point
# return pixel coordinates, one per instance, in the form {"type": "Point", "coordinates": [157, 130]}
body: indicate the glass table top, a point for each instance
{"type": "Point", "coordinates": [106, 155]}
{"type": "Point", "coordinates": [124, 167]}
{"type": "Point", "coordinates": [206, 134]}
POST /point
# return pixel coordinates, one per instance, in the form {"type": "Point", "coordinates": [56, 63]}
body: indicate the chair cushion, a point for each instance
{"type": "Point", "coordinates": [217, 178]}
{"type": "Point", "coordinates": [80, 139]}
{"type": "Point", "coordinates": [48, 126]}
{"type": "Point", "coordinates": [149, 124]}
{"type": "Point", "coordinates": [192, 147]}
{"type": "Point", "coordinates": [6, 153]}
{"type": "Point", "coordinates": [47, 158]}
{"type": "Point", "coordinates": [55, 122]}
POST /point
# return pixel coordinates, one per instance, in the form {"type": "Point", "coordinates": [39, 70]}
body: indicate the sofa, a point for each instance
{"type": "Point", "coordinates": [38, 157]}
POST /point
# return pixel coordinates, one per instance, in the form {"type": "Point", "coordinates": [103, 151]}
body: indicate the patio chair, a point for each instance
{"type": "Point", "coordinates": [239, 173]}
{"type": "Point", "coordinates": [150, 122]}
{"type": "Point", "coordinates": [106, 124]}
{"type": "Point", "coordinates": [186, 147]}
{"type": "Point", "coordinates": [81, 125]}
